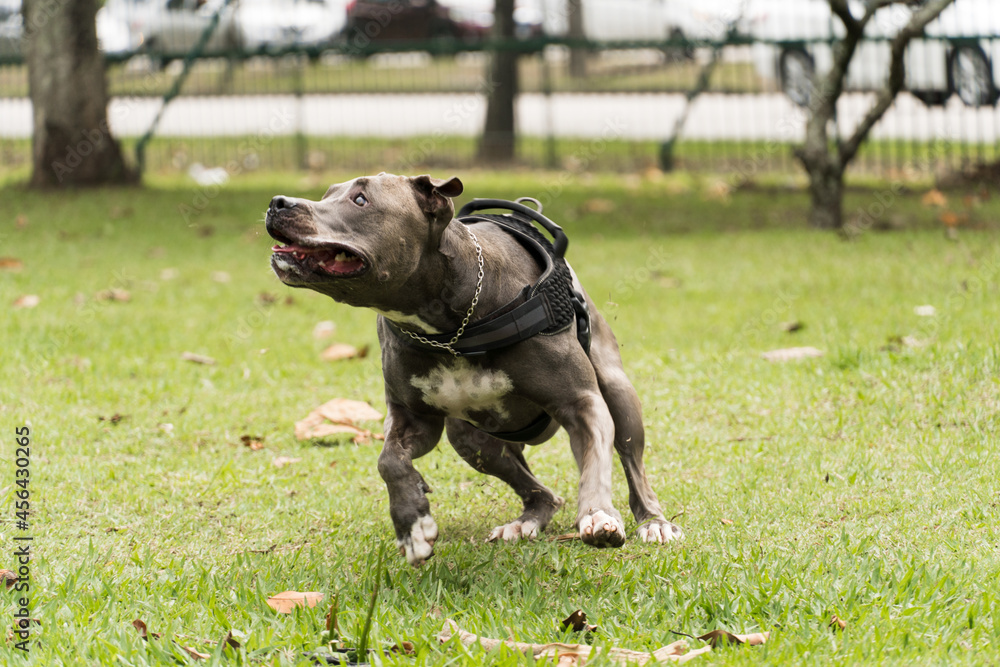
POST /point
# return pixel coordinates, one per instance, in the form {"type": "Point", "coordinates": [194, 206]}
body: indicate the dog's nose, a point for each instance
{"type": "Point", "coordinates": [280, 203]}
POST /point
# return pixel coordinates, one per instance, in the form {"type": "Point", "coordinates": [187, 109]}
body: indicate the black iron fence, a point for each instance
{"type": "Point", "coordinates": [736, 105]}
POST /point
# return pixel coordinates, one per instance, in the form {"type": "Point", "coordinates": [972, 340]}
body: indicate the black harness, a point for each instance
{"type": "Point", "coordinates": [548, 307]}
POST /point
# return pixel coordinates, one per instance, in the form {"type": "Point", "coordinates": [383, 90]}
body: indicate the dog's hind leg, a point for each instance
{"type": "Point", "coordinates": [626, 411]}
{"type": "Point", "coordinates": [505, 461]}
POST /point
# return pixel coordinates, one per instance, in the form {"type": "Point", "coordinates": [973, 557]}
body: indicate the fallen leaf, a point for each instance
{"type": "Point", "coordinates": [346, 411]}
{"type": "Point", "coordinates": [286, 601]}
{"type": "Point", "coordinates": [9, 578]}
{"type": "Point", "coordinates": [925, 311]}
{"type": "Point", "coordinates": [144, 632]}
{"type": "Point", "coordinates": [114, 419]}
{"type": "Point", "coordinates": [339, 351]}
{"type": "Point", "coordinates": [726, 522]}
{"type": "Point", "coordinates": [791, 353]}
{"type": "Point", "coordinates": [282, 461]}
{"type": "Point", "coordinates": [598, 205]}
{"type": "Point", "coordinates": [404, 647]}
{"type": "Point", "coordinates": [565, 537]}
{"type": "Point", "coordinates": [578, 622]}
{"type": "Point", "coordinates": [113, 294]}
{"type": "Point", "coordinates": [723, 637]}
{"type": "Point", "coordinates": [324, 329]}
{"type": "Point", "coordinates": [11, 264]}
{"type": "Point", "coordinates": [362, 438]}
{"type": "Point", "coordinates": [573, 654]}
{"type": "Point", "coordinates": [27, 301]}
{"type": "Point", "coordinates": [837, 623]}
{"type": "Point", "coordinates": [934, 198]}
{"type": "Point", "coordinates": [792, 327]}
{"type": "Point", "coordinates": [951, 219]}
{"type": "Point", "coordinates": [255, 443]}
{"type": "Point", "coordinates": [718, 191]}
{"type": "Point", "coordinates": [195, 654]}
{"type": "Point", "coordinates": [198, 358]}
{"type": "Point", "coordinates": [230, 641]}
{"type": "Point", "coordinates": [316, 426]}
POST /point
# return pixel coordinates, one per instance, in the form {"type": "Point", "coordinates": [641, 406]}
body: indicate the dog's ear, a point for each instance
{"type": "Point", "coordinates": [434, 195]}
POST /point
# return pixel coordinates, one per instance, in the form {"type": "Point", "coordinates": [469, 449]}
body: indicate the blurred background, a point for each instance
{"type": "Point", "coordinates": [715, 85]}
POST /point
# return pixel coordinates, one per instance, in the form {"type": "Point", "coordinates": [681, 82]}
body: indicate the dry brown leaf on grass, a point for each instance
{"type": "Point", "coordinates": [144, 632]}
{"type": "Point", "coordinates": [197, 655]}
{"type": "Point", "coordinates": [286, 601]}
{"type": "Point", "coordinates": [952, 219]}
{"type": "Point", "coordinates": [340, 415]}
{"type": "Point", "coordinates": [726, 522]}
{"type": "Point", "coordinates": [255, 443]}
{"type": "Point", "coordinates": [11, 264]}
{"type": "Point", "coordinates": [577, 621]}
{"type": "Point", "coordinates": [324, 329]}
{"type": "Point", "coordinates": [114, 294]}
{"type": "Point", "coordinates": [346, 411]}
{"type": "Point", "coordinates": [934, 198]}
{"type": "Point", "coordinates": [282, 461]}
{"type": "Point", "coordinates": [27, 301]}
{"type": "Point", "coordinates": [573, 654]}
{"type": "Point", "coordinates": [837, 623]}
{"type": "Point", "coordinates": [565, 537]}
{"type": "Point", "coordinates": [598, 205]}
{"type": "Point", "coordinates": [792, 327]}
{"type": "Point", "coordinates": [198, 358]}
{"type": "Point", "coordinates": [9, 578]}
{"type": "Point", "coordinates": [723, 637]}
{"type": "Point", "coordinates": [339, 351]}
{"type": "Point", "coordinates": [792, 353]}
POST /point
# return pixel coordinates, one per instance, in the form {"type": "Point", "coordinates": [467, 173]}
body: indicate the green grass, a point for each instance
{"type": "Point", "coordinates": [861, 484]}
{"type": "Point", "coordinates": [737, 162]}
{"type": "Point", "coordinates": [464, 74]}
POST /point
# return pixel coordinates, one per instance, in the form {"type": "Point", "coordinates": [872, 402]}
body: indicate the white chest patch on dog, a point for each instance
{"type": "Point", "coordinates": [459, 388]}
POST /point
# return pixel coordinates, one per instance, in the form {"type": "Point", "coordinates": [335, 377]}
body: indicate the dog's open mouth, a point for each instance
{"type": "Point", "coordinates": [336, 260]}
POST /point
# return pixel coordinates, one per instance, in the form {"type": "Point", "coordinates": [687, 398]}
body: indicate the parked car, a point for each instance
{"type": "Point", "coordinates": [171, 28]}
{"type": "Point", "coordinates": [645, 20]}
{"type": "Point", "coordinates": [10, 28]}
{"type": "Point", "coordinates": [394, 21]}
{"type": "Point", "coordinates": [955, 55]}
{"type": "Point", "coordinates": [527, 15]}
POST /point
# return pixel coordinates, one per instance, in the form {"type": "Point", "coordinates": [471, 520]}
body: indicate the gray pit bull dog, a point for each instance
{"type": "Point", "coordinates": [391, 243]}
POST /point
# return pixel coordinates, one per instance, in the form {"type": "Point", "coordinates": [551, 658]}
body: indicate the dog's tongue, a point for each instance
{"type": "Point", "coordinates": [342, 262]}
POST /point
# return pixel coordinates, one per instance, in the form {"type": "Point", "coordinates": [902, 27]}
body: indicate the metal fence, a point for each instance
{"type": "Point", "coordinates": [358, 103]}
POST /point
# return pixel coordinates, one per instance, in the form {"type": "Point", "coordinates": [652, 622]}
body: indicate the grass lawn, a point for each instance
{"type": "Point", "coordinates": [862, 484]}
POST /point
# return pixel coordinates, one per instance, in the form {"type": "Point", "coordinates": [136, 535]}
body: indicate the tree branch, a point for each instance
{"type": "Point", "coordinates": [894, 83]}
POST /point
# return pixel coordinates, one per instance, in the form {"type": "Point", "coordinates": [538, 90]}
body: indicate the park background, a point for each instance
{"type": "Point", "coordinates": [162, 368]}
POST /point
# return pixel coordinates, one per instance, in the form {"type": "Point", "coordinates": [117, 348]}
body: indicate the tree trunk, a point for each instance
{"type": "Point", "coordinates": [826, 191]}
{"type": "Point", "coordinates": [577, 55]}
{"type": "Point", "coordinates": [824, 164]}
{"type": "Point", "coordinates": [497, 144]}
{"type": "Point", "coordinates": [71, 142]}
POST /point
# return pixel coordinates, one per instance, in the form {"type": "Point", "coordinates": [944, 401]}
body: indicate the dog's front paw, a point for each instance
{"type": "Point", "coordinates": [600, 529]}
{"type": "Point", "coordinates": [514, 531]}
{"type": "Point", "coordinates": [660, 531]}
{"type": "Point", "coordinates": [418, 546]}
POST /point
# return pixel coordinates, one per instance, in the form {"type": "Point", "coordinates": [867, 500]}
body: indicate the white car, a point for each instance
{"type": "Point", "coordinates": [956, 54]}
{"type": "Point", "coordinates": [172, 28]}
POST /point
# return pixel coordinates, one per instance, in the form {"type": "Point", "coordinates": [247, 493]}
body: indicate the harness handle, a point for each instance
{"type": "Point", "coordinates": [560, 241]}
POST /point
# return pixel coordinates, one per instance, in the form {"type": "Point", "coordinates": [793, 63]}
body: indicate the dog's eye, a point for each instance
{"type": "Point", "coordinates": [360, 199]}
